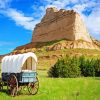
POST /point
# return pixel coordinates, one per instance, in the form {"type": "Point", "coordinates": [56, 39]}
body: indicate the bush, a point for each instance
{"type": "Point", "coordinates": [87, 66]}
{"type": "Point", "coordinates": [65, 67]}
{"type": "Point", "coordinates": [75, 67]}
{"type": "Point", "coordinates": [97, 67]}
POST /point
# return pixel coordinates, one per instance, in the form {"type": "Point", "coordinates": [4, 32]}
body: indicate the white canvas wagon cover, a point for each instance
{"type": "Point", "coordinates": [16, 63]}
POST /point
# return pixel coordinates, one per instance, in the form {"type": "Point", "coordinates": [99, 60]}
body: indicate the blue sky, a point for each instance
{"type": "Point", "coordinates": [19, 17]}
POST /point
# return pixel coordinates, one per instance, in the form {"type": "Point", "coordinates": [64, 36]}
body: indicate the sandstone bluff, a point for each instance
{"type": "Point", "coordinates": [57, 25]}
{"type": "Point", "coordinates": [62, 24]}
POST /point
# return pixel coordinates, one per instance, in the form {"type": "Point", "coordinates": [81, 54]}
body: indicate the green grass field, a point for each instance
{"type": "Point", "coordinates": [62, 89]}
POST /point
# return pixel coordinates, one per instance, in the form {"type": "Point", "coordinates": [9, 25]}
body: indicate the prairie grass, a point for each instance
{"type": "Point", "coordinates": [62, 89]}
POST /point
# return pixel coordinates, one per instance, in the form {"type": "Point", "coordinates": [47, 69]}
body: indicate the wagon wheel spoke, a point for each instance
{"type": "Point", "coordinates": [33, 87]}
{"type": "Point", "coordinates": [12, 85]}
{"type": "Point", "coordinates": [13, 91]}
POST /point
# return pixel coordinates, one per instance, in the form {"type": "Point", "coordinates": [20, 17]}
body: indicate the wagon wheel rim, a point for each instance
{"type": "Point", "coordinates": [12, 85]}
{"type": "Point", "coordinates": [33, 87]}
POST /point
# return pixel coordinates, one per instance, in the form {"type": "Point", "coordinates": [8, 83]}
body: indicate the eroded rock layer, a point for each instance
{"type": "Point", "coordinates": [56, 26]}
{"type": "Point", "coordinates": [62, 24]}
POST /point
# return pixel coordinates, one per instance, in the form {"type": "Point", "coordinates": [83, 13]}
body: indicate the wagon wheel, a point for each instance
{"type": "Point", "coordinates": [12, 85]}
{"type": "Point", "coordinates": [33, 87]}
{"type": "Point", "coordinates": [1, 85]}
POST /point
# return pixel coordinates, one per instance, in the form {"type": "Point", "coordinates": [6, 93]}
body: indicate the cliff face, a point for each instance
{"type": "Point", "coordinates": [62, 24]}
{"type": "Point", "coordinates": [61, 29]}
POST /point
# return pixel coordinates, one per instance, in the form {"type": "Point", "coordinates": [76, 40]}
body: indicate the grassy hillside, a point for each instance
{"type": "Point", "coordinates": [46, 59]}
{"type": "Point", "coordinates": [47, 56]}
{"type": "Point", "coordinates": [62, 89]}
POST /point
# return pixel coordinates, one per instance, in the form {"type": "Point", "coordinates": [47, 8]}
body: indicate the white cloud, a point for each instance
{"type": "Point", "coordinates": [57, 3]}
{"type": "Point", "coordinates": [4, 3]}
{"type": "Point", "coordinates": [20, 19]}
{"type": "Point", "coordinates": [82, 7]}
{"type": "Point", "coordinates": [61, 1]}
{"type": "Point", "coordinates": [93, 21]}
{"type": "Point", "coordinates": [17, 16]}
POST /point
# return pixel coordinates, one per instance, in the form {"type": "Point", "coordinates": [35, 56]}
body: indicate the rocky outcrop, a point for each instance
{"type": "Point", "coordinates": [60, 24]}
{"type": "Point", "coordinates": [71, 45]}
{"type": "Point", "coordinates": [56, 26]}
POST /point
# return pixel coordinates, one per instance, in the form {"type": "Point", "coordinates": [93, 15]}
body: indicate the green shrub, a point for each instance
{"type": "Point", "coordinates": [75, 67]}
{"type": "Point", "coordinates": [65, 67]}
{"type": "Point", "coordinates": [87, 66]}
{"type": "Point", "coordinates": [97, 67]}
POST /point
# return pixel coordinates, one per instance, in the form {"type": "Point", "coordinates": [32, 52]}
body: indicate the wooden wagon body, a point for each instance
{"type": "Point", "coordinates": [18, 70]}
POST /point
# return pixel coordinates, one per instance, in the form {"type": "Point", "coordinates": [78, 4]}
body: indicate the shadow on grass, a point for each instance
{"type": "Point", "coordinates": [97, 78]}
{"type": "Point", "coordinates": [4, 91]}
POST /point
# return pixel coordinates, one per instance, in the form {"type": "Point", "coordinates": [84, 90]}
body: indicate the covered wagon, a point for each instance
{"type": "Point", "coordinates": [19, 70]}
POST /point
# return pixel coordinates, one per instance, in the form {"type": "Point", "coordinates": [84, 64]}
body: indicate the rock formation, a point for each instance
{"type": "Point", "coordinates": [56, 26]}
{"type": "Point", "coordinates": [60, 24]}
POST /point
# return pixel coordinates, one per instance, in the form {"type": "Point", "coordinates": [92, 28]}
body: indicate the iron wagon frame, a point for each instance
{"type": "Point", "coordinates": [18, 71]}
